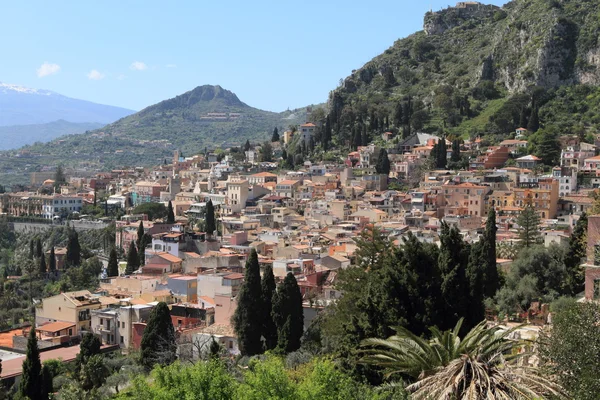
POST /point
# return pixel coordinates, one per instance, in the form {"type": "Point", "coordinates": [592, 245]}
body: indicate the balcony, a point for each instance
{"type": "Point", "coordinates": [104, 328]}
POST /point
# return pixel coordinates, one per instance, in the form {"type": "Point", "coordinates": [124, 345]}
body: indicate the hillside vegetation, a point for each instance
{"type": "Point", "coordinates": [481, 71]}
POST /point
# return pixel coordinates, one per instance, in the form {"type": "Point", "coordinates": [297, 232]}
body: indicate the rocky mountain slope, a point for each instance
{"type": "Point", "coordinates": [479, 69]}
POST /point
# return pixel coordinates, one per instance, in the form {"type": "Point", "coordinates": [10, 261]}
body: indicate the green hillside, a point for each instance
{"type": "Point", "coordinates": [205, 117]}
{"type": "Point", "coordinates": [481, 71]}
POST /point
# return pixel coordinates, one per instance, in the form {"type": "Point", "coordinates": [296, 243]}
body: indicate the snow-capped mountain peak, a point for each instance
{"type": "Point", "coordinates": [11, 88]}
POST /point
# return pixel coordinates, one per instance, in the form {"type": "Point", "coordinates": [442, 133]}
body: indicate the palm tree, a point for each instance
{"type": "Point", "coordinates": [481, 365]}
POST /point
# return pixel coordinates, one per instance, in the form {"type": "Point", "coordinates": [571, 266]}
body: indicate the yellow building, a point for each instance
{"type": "Point", "coordinates": [543, 195]}
{"type": "Point", "coordinates": [72, 307]}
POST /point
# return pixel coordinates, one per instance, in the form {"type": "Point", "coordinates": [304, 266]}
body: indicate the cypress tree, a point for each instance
{"type": "Point", "coordinates": [31, 379]}
{"type": "Point", "coordinates": [43, 267]}
{"type": "Point", "coordinates": [455, 156]}
{"type": "Point", "coordinates": [133, 261]}
{"type": "Point", "coordinates": [158, 342]}
{"type": "Point", "coordinates": [268, 289]}
{"type": "Point", "coordinates": [31, 250]}
{"type": "Point", "coordinates": [476, 279]}
{"type": "Point", "coordinates": [327, 135]}
{"type": "Point", "coordinates": [211, 224]}
{"type": "Point", "coordinates": [452, 262]}
{"type": "Point", "coordinates": [113, 264]}
{"type": "Point", "coordinates": [47, 384]}
{"type": "Point", "coordinates": [492, 279]}
{"type": "Point", "coordinates": [275, 137]}
{"type": "Point", "coordinates": [52, 261]}
{"type": "Point", "coordinates": [442, 153]}
{"type": "Point", "coordinates": [248, 317]}
{"type": "Point", "coordinates": [523, 118]}
{"type": "Point", "coordinates": [90, 346]}
{"type": "Point", "coordinates": [73, 249]}
{"type": "Point", "coordinates": [215, 349]}
{"type": "Point", "coordinates": [247, 145]}
{"type": "Point", "coordinates": [140, 234]}
{"type": "Point", "coordinates": [383, 163]}
{"type": "Point", "coordinates": [170, 214]}
{"type": "Point", "coordinates": [38, 248]}
{"type": "Point", "coordinates": [288, 315]}
{"type": "Point", "coordinates": [534, 120]}
{"type": "Point", "coordinates": [529, 226]}
{"type": "Point", "coordinates": [398, 115]}
{"type": "Point", "coordinates": [575, 254]}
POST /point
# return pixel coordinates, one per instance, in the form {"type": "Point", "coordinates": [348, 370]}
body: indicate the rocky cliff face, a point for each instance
{"type": "Point", "coordinates": [436, 23]}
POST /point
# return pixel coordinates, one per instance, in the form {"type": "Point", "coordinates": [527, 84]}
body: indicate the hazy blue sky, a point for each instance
{"type": "Point", "coordinates": [130, 53]}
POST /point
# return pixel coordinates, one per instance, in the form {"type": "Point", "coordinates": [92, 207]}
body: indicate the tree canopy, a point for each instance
{"type": "Point", "coordinates": [158, 342]}
{"type": "Point", "coordinates": [248, 317]}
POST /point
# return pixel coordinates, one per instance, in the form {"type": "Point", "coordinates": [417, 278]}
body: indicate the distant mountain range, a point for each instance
{"type": "Point", "coordinates": [205, 117]}
{"type": "Point", "coordinates": [25, 106]}
{"type": "Point", "coordinates": [15, 136]}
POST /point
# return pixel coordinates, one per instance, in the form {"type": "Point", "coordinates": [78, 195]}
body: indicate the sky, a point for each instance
{"type": "Point", "coordinates": [274, 55]}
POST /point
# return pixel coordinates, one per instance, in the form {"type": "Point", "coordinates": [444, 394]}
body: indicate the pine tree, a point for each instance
{"type": "Point", "coordinates": [38, 248]}
{"type": "Point", "coordinates": [268, 289]}
{"type": "Point", "coordinates": [211, 224]}
{"type": "Point", "coordinates": [133, 261]}
{"type": "Point", "coordinates": [43, 267]}
{"type": "Point", "coordinates": [52, 261]}
{"type": "Point", "coordinates": [31, 378]}
{"type": "Point", "coordinates": [288, 314]}
{"type": "Point", "coordinates": [158, 342]}
{"type": "Point", "coordinates": [275, 137]}
{"type": "Point", "coordinates": [529, 226]}
{"type": "Point", "coordinates": [248, 317]}
{"type": "Point", "coordinates": [113, 264]}
{"type": "Point", "coordinates": [170, 213]}
{"type": "Point", "coordinates": [383, 163]}
{"type": "Point", "coordinates": [73, 257]}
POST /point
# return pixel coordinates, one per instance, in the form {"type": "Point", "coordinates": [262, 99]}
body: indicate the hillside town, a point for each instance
{"type": "Point", "coordinates": [306, 221]}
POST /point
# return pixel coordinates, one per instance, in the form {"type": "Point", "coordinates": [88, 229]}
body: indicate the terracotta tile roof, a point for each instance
{"type": "Point", "coordinates": [169, 257]}
{"type": "Point", "coordinates": [234, 276]}
{"type": "Point", "coordinates": [263, 174]}
{"type": "Point", "coordinates": [54, 327]}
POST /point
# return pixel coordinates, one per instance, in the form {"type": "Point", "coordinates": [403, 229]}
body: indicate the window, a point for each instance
{"type": "Point", "coordinates": [122, 325]}
{"type": "Point", "coordinates": [122, 340]}
{"type": "Point", "coordinates": [231, 344]}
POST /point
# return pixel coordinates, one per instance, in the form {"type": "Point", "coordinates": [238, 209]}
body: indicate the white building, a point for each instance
{"type": "Point", "coordinates": [61, 206]}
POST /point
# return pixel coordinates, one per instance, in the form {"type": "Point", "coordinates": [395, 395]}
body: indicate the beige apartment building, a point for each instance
{"type": "Point", "coordinates": [464, 199]}
{"type": "Point", "coordinates": [72, 307]}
